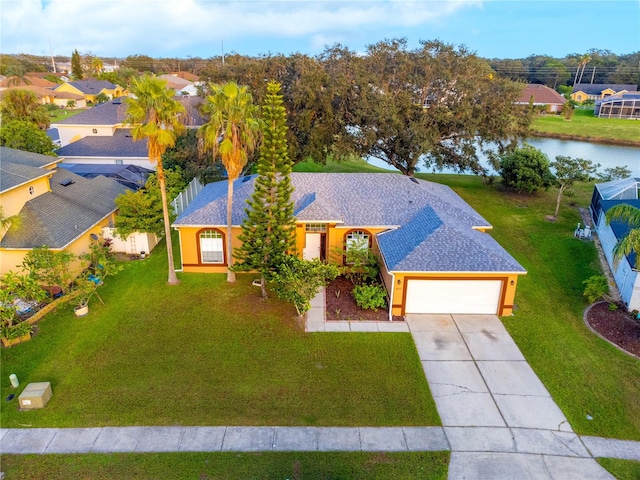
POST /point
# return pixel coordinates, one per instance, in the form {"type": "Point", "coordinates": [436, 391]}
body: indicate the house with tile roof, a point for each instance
{"type": "Point", "coordinates": [90, 89]}
{"type": "Point", "coordinates": [542, 96]}
{"type": "Point", "coordinates": [625, 271]}
{"type": "Point", "coordinates": [57, 208]}
{"type": "Point", "coordinates": [47, 96]}
{"type": "Point", "coordinates": [434, 250]}
{"type": "Point", "coordinates": [600, 91]}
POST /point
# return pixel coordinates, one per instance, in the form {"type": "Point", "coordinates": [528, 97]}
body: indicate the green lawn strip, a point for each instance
{"type": "Point", "coordinates": [584, 374]}
{"type": "Point", "coordinates": [350, 165]}
{"type": "Point", "coordinates": [621, 469]}
{"type": "Point", "coordinates": [63, 113]}
{"type": "Point", "coordinates": [229, 466]}
{"type": "Point", "coordinates": [585, 124]}
{"type": "Point", "coordinates": [207, 353]}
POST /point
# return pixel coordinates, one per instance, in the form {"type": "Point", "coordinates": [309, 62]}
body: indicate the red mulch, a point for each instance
{"type": "Point", "coordinates": [342, 306]}
{"type": "Point", "coordinates": [617, 326]}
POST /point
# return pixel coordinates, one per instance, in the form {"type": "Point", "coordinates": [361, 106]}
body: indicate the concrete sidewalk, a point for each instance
{"type": "Point", "coordinates": [499, 421]}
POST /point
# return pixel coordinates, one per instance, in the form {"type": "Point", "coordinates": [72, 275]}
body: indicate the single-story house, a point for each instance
{"type": "Point", "coordinates": [625, 272]}
{"type": "Point", "coordinates": [58, 208]}
{"type": "Point", "coordinates": [90, 89]}
{"type": "Point", "coordinates": [48, 96]}
{"type": "Point", "coordinates": [625, 106]}
{"type": "Point", "coordinates": [599, 91]}
{"type": "Point", "coordinates": [542, 96]}
{"type": "Point", "coordinates": [434, 250]}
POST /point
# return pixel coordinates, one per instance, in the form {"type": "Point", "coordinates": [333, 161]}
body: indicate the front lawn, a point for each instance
{"type": "Point", "coordinates": [584, 374]}
{"type": "Point", "coordinates": [230, 466]}
{"type": "Point", "coordinates": [208, 353]}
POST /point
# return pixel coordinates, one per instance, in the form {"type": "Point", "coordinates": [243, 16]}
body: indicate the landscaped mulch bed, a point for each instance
{"type": "Point", "coordinates": [342, 306]}
{"type": "Point", "coordinates": [617, 326]}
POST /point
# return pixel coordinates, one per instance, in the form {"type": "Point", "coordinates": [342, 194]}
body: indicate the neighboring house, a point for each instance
{"type": "Point", "coordinates": [117, 149]}
{"type": "Point", "coordinates": [27, 80]}
{"type": "Point", "coordinates": [625, 106]}
{"type": "Point", "coordinates": [131, 176]}
{"type": "Point", "coordinates": [90, 89]}
{"type": "Point", "coordinates": [58, 208]}
{"type": "Point", "coordinates": [605, 196]}
{"type": "Point", "coordinates": [46, 95]}
{"type": "Point", "coordinates": [180, 85]}
{"type": "Point", "coordinates": [103, 120]}
{"type": "Point", "coordinates": [542, 96]}
{"type": "Point", "coordinates": [599, 91]}
{"type": "Point", "coordinates": [434, 253]}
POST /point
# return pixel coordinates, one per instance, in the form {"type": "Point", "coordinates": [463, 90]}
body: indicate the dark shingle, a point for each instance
{"type": "Point", "coordinates": [121, 144]}
{"type": "Point", "coordinates": [58, 217]}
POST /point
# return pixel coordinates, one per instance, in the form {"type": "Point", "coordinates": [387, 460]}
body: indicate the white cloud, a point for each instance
{"type": "Point", "coordinates": [170, 27]}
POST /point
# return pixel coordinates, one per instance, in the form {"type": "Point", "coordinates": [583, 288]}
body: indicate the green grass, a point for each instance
{"type": "Point", "coordinates": [351, 165]}
{"type": "Point", "coordinates": [229, 466]}
{"type": "Point", "coordinates": [584, 374]}
{"type": "Point", "coordinates": [63, 113]}
{"type": "Point", "coordinates": [621, 469]}
{"type": "Point", "coordinates": [208, 353]}
{"type": "Point", "coordinates": [585, 124]}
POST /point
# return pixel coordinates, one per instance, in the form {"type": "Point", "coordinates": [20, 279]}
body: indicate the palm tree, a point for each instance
{"type": "Point", "coordinates": [155, 116]}
{"type": "Point", "coordinates": [631, 243]}
{"type": "Point", "coordinates": [18, 104]}
{"type": "Point", "coordinates": [231, 132]}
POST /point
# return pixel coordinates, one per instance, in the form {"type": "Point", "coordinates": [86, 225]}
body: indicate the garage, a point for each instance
{"type": "Point", "coordinates": [453, 296]}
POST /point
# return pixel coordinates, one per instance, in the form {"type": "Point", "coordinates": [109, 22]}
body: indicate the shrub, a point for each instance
{"type": "Point", "coordinates": [526, 170]}
{"type": "Point", "coordinates": [370, 297]}
{"type": "Point", "coordinates": [596, 287]}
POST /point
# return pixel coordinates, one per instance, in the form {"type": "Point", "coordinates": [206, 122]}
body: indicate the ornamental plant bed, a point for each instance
{"type": "Point", "coordinates": [617, 326]}
{"type": "Point", "coordinates": [340, 304]}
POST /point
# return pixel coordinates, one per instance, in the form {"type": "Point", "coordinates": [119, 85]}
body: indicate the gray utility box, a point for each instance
{"type": "Point", "coordinates": [35, 395]}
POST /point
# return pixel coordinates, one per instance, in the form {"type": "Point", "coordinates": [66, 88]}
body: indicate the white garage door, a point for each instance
{"type": "Point", "coordinates": [453, 296]}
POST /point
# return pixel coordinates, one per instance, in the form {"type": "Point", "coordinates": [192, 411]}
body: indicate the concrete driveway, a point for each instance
{"type": "Point", "coordinates": [499, 418]}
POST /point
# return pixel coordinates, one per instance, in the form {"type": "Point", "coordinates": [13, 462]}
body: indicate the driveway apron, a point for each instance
{"type": "Point", "coordinates": [499, 418]}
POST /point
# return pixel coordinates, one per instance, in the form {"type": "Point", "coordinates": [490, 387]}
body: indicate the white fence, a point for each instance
{"type": "Point", "coordinates": [186, 196]}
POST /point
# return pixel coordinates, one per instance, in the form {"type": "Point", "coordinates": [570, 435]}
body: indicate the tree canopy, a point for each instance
{"type": "Point", "coordinates": [23, 135]}
{"type": "Point", "coordinates": [23, 105]}
{"type": "Point", "coordinates": [526, 169]}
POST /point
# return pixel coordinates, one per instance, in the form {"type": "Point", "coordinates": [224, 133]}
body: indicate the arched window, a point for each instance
{"type": "Point", "coordinates": [211, 246]}
{"type": "Point", "coordinates": [355, 241]}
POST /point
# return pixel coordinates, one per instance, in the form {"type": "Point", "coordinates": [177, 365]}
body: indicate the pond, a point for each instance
{"type": "Point", "coordinates": [607, 156]}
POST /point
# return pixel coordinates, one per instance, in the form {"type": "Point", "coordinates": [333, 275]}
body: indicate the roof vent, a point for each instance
{"type": "Point", "coordinates": [246, 178]}
{"type": "Point", "coordinates": [413, 180]}
{"type": "Point", "coordinates": [117, 101]}
{"type": "Point", "coordinates": [66, 182]}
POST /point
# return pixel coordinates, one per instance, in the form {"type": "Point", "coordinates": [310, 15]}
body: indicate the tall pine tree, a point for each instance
{"type": "Point", "coordinates": [269, 228]}
{"type": "Point", "coordinates": [76, 65]}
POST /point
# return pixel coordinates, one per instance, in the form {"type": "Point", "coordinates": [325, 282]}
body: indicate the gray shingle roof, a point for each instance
{"type": "Point", "coordinates": [114, 112]}
{"type": "Point", "coordinates": [92, 87]}
{"type": "Point", "coordinates": [431, 227]}
{"type": "Point", "coordinates": [121, 144]}
{"type": "Point", "coordinates": [26, 158]}
{"type": "Point", "coordinates": [58, 217]}
{"type": "Point", "coordinates": [108, 113]}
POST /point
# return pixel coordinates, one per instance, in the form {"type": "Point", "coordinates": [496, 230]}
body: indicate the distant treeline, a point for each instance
{"type": "Point", "coordinates": [594, 66]}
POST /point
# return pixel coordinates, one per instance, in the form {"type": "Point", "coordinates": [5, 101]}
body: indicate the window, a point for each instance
{"type": "Point", "coordinates": [355, 241]}
{"type": "Point", "coordinates": [316, 227]}
{"type": "Point", "coordinates": [211, 246]}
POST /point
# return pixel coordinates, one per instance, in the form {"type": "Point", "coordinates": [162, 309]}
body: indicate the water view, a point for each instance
{"type": "Point", "coordinates": [607, 156]}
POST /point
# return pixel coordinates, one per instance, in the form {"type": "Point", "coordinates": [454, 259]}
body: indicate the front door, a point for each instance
{"type": "Point", "coordinates": [313, 246]}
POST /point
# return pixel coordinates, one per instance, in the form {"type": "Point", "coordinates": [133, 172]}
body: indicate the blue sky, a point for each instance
{"type": "Point", "coordinates": [198, 28]}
